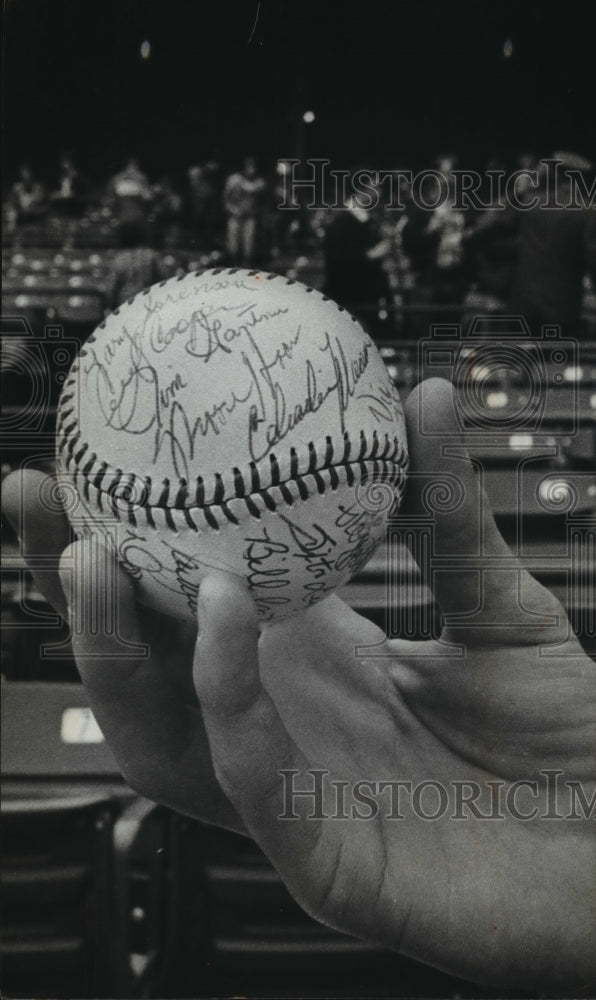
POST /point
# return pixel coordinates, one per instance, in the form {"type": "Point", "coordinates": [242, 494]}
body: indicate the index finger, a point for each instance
{"type": "Point", "coordinates": [154, 729]}
{"type": "Point", "coordinates": [31, 502]}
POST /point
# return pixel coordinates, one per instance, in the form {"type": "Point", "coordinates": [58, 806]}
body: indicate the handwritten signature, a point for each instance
{"type": "Point", "coordinates": [267, 569]}
{"type": "Point", "coordinates": [135, 399]}
{"type": "Point", "coordinates": [356, 524]}
{"type": "Point", "coordinates": [271, 419]}
{"type": "Point", "coordinates": [313, 547]}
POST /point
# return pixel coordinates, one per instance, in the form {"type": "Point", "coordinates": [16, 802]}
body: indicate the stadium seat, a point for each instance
{"type": "Point", "coordinates": [83, 308]}
{"type": "Point", "coordinates": [84, 861]}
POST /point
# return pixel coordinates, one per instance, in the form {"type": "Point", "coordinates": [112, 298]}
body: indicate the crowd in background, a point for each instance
{"type": "Point", "coordinates": [438, 262]}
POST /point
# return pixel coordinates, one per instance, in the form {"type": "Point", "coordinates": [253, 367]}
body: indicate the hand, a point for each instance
{"type": "Point", "coordinates": [146, 704]}
{"type": "Point", "coordinates": [506, 901]}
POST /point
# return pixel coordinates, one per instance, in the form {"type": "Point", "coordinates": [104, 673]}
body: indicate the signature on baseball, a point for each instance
{"type": "Point", "coordinates": [135, 399]}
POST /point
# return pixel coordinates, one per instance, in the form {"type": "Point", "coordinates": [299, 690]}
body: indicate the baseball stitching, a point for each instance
{"type": "Point", "coordinates": [263, 486]}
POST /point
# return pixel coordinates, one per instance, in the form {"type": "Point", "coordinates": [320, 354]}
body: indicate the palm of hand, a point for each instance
{"type": "Point", "coordinates": [483, 721]}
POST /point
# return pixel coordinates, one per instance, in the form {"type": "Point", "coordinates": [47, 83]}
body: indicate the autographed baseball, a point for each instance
{"type": "Point", "coordinates": [232, 420]}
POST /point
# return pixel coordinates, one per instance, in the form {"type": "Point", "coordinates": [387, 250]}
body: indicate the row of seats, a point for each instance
{"type": "Point", "coordinates": [106, 895]}
{"type": "Point", "coordinates": [97, 230]}
{"type": "Point", "coordinates": [23, 271]}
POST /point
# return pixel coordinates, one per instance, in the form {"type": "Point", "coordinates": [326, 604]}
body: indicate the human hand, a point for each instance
{"type": "Point", "coordinates": [504, 901]}
{"type": "Point", "coordinates": [136, 664]}
{"type": "Point", "coordinates": [504, 700]}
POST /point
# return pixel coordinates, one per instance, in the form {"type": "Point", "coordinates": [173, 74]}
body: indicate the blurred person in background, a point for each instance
{"type": "Point", "coordinates": [27, 199]}
{"type": "Point", "coordinates": [419, 243]}
{"type": "Point", "coordinates": [198, 195]}
{"type": "Point", "coordinates": [355, 248]}
{"type": "Point", "coordinates": [135, 266]}
{"type": "Point", "coordinates": [433, 239]}
{"type": "Point", "coordinates": [129, 193]}
{"type": "Point", "coordinates": [203, 204]}
{"type": "Point", "coordinates": [449, 273]}
{"type": "Point", "coordinates": [556, 249]}
{"type": "Point", "coordinates": [68, 195]}
{"type": "Point", "coordinates": [243, 201]}
{"type": "Point", "coordinates": [166, 212]}
{"type": "Point", "coordinates": [491, 250]}
{"type": "Point", "coordinates": [287, 226]}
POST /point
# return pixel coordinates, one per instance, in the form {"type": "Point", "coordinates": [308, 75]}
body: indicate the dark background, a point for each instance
{"type": "Point", "coordinates": [390, 83]}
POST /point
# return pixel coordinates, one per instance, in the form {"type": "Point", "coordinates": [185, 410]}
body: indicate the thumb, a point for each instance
{"type": "Point", "coordinates": [249, 743]}
{"type": "Point", "coordinates": [483, 590]}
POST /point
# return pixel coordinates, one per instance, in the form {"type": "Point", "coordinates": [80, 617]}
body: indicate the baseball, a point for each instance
{"type": "Point", "coordinates": [232, 420]}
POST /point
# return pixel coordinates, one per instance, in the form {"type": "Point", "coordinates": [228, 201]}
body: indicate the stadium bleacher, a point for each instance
{"type": "Point", "coordinates": [69, 816]}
